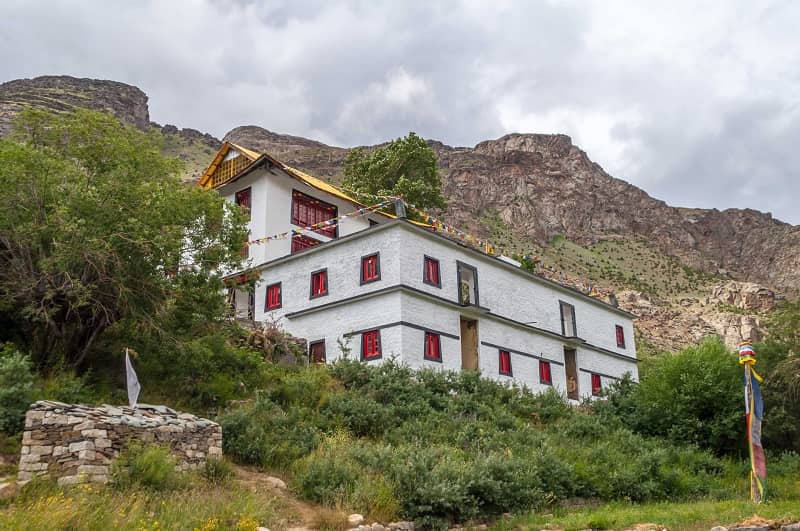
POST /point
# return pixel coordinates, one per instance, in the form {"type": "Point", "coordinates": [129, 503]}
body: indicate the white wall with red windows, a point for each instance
{"type": "Point", "coordinates": [399, 284]}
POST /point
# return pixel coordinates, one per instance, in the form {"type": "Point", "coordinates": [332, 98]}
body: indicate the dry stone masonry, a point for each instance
{"type": "Point", "coordinates": [77, 443]}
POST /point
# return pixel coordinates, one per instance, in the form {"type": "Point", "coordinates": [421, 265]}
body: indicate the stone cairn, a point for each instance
{"type": "Point", "coordinates": [77, 443]}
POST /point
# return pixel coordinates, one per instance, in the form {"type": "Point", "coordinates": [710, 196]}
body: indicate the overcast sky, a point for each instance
{"type": "Point", "coordinates": [698, 103]}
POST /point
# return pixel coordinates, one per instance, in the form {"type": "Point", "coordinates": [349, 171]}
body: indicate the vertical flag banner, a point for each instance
{"type": "Point", "coordinates": [133, 381]}
{"type": "Point", "coordinates": [754, 412]}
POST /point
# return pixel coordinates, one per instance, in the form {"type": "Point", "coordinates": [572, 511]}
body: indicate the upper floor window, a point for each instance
{"type": "Point", "coordinates": [545, 376]}
{"type": "Point", "coordinates": [620, 336]}
{"type": "Point", "coordinates": [371, 345]}
{"type": "Point", "coordinates": [433, 347]}
{"type": "Point", "coordinates": [370, 268]}
{"type": "Point", "coordinates": [505, 362]}
{"type": "Point", "coordinates": [467, 285]}
{"type": "Point", "coordinates": [568, 327]}
{"type": "Point", "coordinates": [243, 200]}
{"type": "Point", "coordinates": [273, 296]}
{"type": "Point", "coordinates": [319, 283]}
{"type": "Point", "coordinates": [300, 242]}
{"type": "Point", "coordinates": [597, 385]}
{"type": "Point", "coordinates": [430, 272]}
{"type": "Point", "coordinates": [316, 351]}
{"type": "Point", "coordinates": [307, 211]}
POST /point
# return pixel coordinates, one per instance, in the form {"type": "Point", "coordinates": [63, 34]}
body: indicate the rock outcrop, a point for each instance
{"type": "Point", "coordinates": [64, 93]}
{"type": "Point", "coordinates": [78, 443]}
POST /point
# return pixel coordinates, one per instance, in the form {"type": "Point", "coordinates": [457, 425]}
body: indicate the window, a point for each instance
{"type": "Point", "coordinates": [316, 351]}
{"type": "Point", "coordinates": [620, 337]}
{"type": "Point", "coordinates": [370, 268]}
{"type": "Point", "coordinates": [273, 296]}
{"type": "Point", "coordinates": [433, 347]}
{"type": "Point", "coordinates": [307, 211]}
{"type": "Point", "coordinates": [545, 376]}
{"type": "Point", "coordinates": [319, 283]}
{"type": "Point", "coordinates": [244, 252]}
{"type": "Point", "coordinates": [430, 272]}
{"type": "Point", "coordinates": [505, 362]}
{"type": "Point", "coordinates": [242, 198]}
{"type": "Point", "coordinates": [467, 284]}
{"type": "Point", "coordinates": [597, 385]}
{"type": "Point", "coordinates": [568, 327]}
{"type": "Point", "coordinates": [371, 345]}
{"type": "Point", "coordinates": [300, 242]}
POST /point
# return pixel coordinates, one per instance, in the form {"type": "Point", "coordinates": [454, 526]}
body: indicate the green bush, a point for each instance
{"type": "Point", "coordinates": [217, 470]}
{"type": "Point", "coordinates": [693, 397]}
{"type": "Point", "coordinates": [17, 388]}
{"type": "Point", "coordinates": [439, 447]}
{"type": "Point", "coordinates": [147, 466]}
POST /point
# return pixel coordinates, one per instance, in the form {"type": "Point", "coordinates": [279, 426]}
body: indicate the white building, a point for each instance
{"type": "Point", "coordinates": [378, 287]}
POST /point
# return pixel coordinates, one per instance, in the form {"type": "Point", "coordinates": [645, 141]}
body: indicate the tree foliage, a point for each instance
{"type": "Point", "coordinates": [694, 397]}
{"type": "Point", "coordinates": [96, 230]}
{"type": "Point", "coordinates": [406, 166]}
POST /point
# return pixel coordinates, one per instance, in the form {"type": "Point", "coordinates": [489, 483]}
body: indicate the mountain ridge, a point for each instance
{"type": "Point", "coordinates": [687, 272]}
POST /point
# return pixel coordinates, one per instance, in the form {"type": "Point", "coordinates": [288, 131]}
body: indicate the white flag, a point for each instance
{"type": "Point", "coordinates": [133, 381]}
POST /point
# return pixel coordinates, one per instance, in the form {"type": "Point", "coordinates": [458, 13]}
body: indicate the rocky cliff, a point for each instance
{"type": "Point", "coordinates": [523, 191]}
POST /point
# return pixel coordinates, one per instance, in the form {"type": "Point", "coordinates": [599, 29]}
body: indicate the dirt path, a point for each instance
{"type": "Point", "coordinates": [307, 513]}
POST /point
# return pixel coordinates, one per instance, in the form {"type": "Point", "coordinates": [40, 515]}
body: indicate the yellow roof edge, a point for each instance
{"type": "Point", "coordinates": [221, 153]}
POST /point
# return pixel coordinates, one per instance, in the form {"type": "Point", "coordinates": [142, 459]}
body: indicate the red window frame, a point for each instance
{"type": "Point", "coordinates": [545, 374]}
{"type": "Point", "coordinates": [433, 347]}
{"type": "Point", "coordinates": [370, 268]}
{"type": "Point", "coordinates": [430, 272]}
{"type": "Point", "coordinates": [308, 211]}
{"type": "Point", "coordinates": [597, 385]}
{"type": "Point", "coordinates": [243, 199]}
{"type": "Point", "coordinates": [319, 283]}
{"type": "Point", "coordinates": [274, 297]}
{"type": "Point", "coordinates": [316, 351]}
{"type": "Point", "coordinates": [620, 336]}
{"type": "Point", "coordinates": [300, 243]}
{"type": "Point", "coordinates": [504, 361]}
{"type": "Point", "coordinates": [371, 345]}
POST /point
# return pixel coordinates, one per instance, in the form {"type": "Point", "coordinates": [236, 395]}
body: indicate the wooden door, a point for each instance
{"type": "Point", "coordinates": [469, 344]}
{"type": "Point", "coordinates": [571, 368]}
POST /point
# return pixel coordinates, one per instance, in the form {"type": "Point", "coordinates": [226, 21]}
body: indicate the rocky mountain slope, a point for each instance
{"type": "Point", "coordinates": [678, 268]}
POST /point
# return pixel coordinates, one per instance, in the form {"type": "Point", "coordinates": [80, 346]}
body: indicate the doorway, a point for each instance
{"type": "Point", "coordinates": [469, 344]}
{"type": "Point", "coordinates": [571, 368]}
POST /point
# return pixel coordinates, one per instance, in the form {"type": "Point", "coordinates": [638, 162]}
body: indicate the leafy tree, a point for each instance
{"type": "Point", "coordinates": [97, 231]}
{"type": "Point", "coordinates": [694, 396]}
{"type": "Point", "coordinates": [17, 388]}
{"type": "Point", "coordinates": [406, 166]}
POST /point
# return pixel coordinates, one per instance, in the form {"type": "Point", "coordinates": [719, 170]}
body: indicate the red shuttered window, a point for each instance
{"type": "Point", "coordinates": [307, 211]}
{"type": "Point", "coordinates": [274, 296]}
{"type": "Point", "coordinates": [370, 268]}
{"type": "Point", "coordinates": [319, 283]}
{"type": "Point", "coordinates": [505, 362]}
{"type": "Point", "coordinates": [620, 337]}
{"type": "Point", "coordinates": [317, 352]}
{"type": "Point", "coordinates": [243, 199]}
{"type": "Point", "coordinates": [300, 242]}
{"type": "Point", "coordinates": [430, 272]}
{"type": "Point", "coordinates": [597, 384]}
{"type": "Point", "coordinates": [545, 376]}
{"type": "Point", "coordinates": [371, 345]}
{"type": "Point", "coordinates": [433, 347]}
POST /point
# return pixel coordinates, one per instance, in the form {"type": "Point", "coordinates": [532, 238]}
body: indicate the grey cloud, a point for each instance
{"type": "Point", "coordinates": [697, 106]}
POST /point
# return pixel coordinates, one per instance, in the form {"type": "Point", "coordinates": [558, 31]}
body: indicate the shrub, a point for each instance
{"type": "Point", "coordinates": [16, 388]}
{"type": "Point", "coordinates": [147, 466]}
{"type": "Point", "coordinates": [217, 470]}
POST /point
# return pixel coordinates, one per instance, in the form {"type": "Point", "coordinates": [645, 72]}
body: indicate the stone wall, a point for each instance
{"type": "Point", "coordinates": [77, 443]}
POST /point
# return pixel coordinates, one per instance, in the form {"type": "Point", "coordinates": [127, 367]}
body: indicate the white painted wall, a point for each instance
{"type": "Point", "coordinates": [271, 210]}
{"type": "Point", "coordinates": [401, 262]}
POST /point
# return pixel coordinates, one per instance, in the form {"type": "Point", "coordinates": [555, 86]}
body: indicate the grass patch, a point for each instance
{"type": "Point", "coordinates": [199, 506]}
{"type": "Point", "coordinates": [699, 515]}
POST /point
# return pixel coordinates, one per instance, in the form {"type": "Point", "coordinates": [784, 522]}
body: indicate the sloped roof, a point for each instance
{"type": "Point", "coordinates": [255, 157]}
